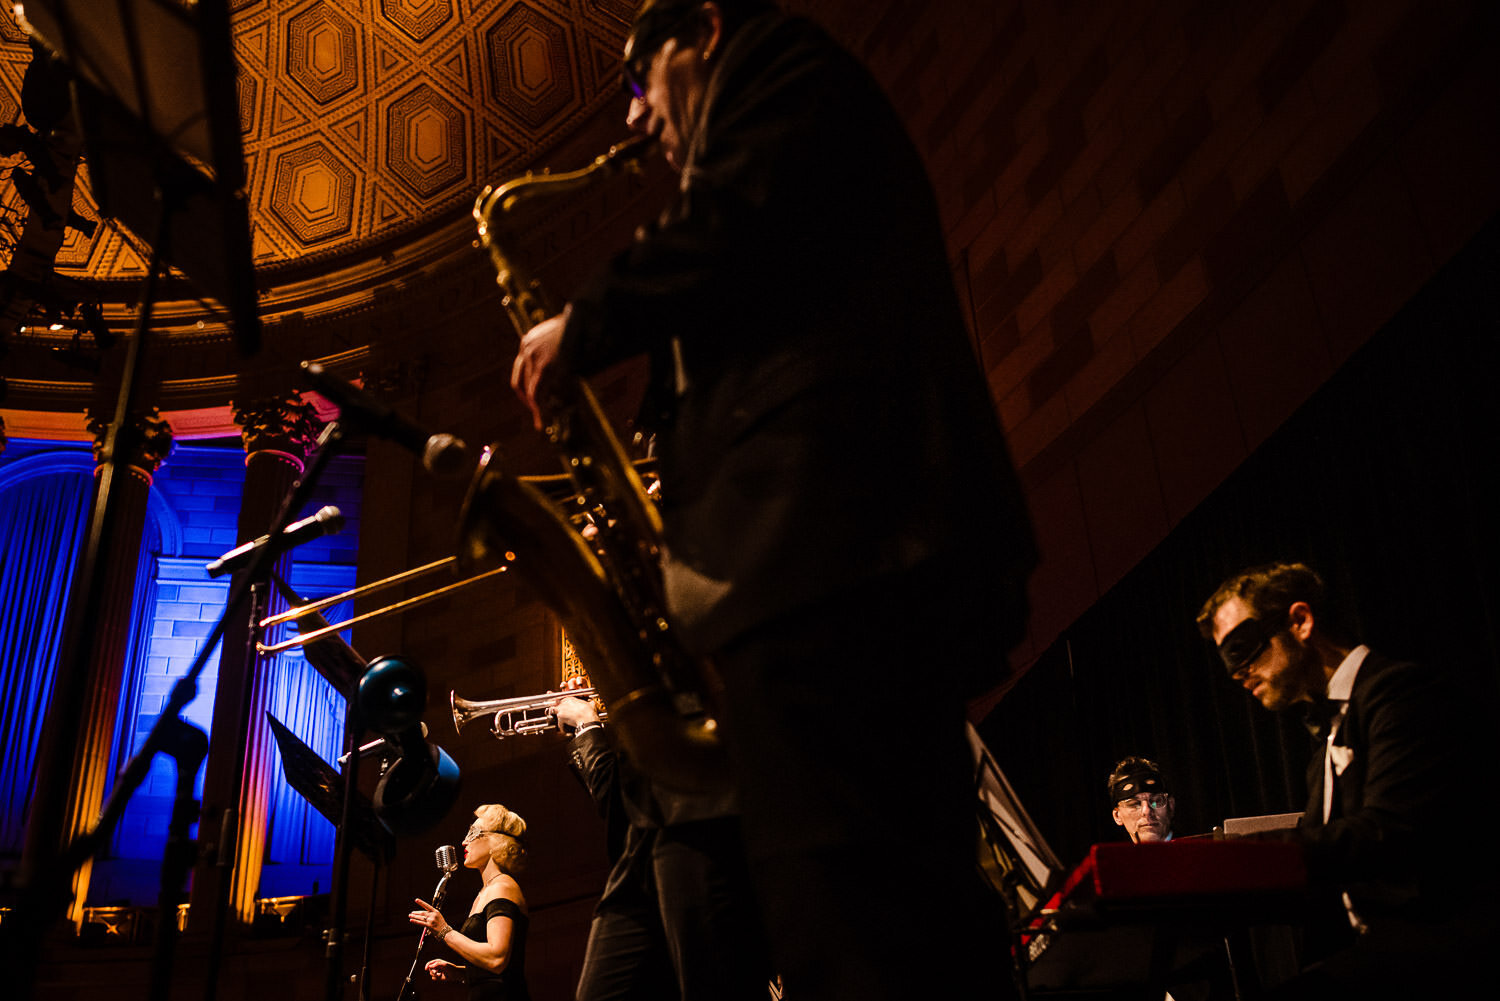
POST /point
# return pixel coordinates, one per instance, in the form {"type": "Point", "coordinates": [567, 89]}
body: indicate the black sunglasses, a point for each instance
{"type": "Point", "coordinates": [642, 46]}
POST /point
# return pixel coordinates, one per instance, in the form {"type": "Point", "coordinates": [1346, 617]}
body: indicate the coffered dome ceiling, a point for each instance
{"type": "Point", "coordinates": [368, 127]}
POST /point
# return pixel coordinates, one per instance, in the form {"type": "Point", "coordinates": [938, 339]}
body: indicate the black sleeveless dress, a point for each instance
{"type": "Point", "coordinates": [509, 984]}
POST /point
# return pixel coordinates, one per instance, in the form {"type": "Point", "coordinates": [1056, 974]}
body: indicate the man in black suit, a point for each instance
{"type": "Point", "coordinates": [845, 534]}
{"type": "Point", "coordinates": [1389, 827]}
{"type": "Point", "coordinates": [676, 918]}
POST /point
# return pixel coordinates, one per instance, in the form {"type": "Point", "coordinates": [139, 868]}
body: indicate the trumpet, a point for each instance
{"type": "Point", "coordinates": [524, 715]}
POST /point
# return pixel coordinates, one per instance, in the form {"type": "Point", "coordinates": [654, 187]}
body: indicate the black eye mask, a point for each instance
{"type": "Point", "coordinates": [1243, 644]}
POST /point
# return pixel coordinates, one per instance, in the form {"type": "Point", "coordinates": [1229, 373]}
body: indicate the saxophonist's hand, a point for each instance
{"type": "Point", "coordinates": [538, 352]}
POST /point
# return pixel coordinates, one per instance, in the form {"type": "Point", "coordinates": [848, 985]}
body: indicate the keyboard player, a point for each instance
{"type": "Point", "coordinates": [1144, 806]}
{"type": "Point", "coordinates": [1399, 770]}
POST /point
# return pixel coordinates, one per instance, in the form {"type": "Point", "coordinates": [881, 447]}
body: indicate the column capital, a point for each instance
{"type": "Point", "coordinates": [146, 441]}
{"type": "Point", "coordinates": [280, 424]}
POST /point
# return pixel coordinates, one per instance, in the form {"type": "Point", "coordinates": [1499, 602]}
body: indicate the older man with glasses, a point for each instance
{"type": "Point", "coordinates": [1142, 804]}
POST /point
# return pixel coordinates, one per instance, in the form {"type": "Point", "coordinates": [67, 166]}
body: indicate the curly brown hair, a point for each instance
{"type": "Point", "coordinates": [1269, 590]}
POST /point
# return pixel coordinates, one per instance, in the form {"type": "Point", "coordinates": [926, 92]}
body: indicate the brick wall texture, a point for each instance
{"type": "Point", "coordinates": [1172, 220]}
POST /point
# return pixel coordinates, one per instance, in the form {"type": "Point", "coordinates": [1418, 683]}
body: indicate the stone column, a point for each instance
{"type": "Point", "coordinates": [279, 434]}
{"type": "Point", "coordinates": [147, 443]}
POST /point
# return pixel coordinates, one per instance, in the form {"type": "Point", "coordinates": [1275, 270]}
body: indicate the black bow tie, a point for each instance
{"type": "Point", "coordinates": [1319, 716]}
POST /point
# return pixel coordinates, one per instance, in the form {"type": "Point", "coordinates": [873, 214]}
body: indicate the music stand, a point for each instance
{"type": "Point", "coordinates": [1023, 867]}
{"type": "Point", "coordinates": [315, 781]}
{"type": "Point", "coordinates": [157, 101]}
{"type": "Point", "coordinates": [195, 163]}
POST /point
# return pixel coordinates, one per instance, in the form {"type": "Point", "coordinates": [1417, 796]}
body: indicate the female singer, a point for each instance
{"type": "Point", "coordinates": [493, 939]}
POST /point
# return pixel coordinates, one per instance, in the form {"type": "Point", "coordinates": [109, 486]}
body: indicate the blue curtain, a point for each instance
{"type": "Point", "coordinates": [131, 729]}
{"type": "Point", "coordinates": [310, 707]}
{"type": "Point", "coordinates": [42, 521]}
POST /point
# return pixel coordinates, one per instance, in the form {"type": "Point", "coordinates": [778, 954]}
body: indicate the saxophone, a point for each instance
{"type": "Point", "coordinates": [606, 589]}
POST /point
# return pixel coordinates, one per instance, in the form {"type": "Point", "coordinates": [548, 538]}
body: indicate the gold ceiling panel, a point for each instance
{"type": "Point", "coordinates": [418, 18]}
{"type": "Point", "coordinates": [364, 120]}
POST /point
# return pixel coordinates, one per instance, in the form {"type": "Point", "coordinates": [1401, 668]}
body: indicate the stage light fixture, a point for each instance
{"type": "Point", "coordinates": [419, 789]}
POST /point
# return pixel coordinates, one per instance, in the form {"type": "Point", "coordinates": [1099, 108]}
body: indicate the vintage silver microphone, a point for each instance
{"type": "Point", "coordinates": [447, 859]}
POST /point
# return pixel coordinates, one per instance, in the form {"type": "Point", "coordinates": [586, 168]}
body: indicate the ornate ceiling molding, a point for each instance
{"type": "Point", "coordinates": [369, 127]}
{"type": "Point", "coordinates": [366, 123]}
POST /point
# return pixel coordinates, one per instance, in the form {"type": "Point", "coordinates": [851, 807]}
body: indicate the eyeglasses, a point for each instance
{"type": "Point", "coordinates": [633, 74]}
{"type": "Point", "coordinates": [1137, 805]}
{"type": "Point", "coordinates": [642, 48]}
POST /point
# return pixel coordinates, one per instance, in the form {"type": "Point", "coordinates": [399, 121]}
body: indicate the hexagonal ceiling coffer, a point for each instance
{"type": "Point", "coordinates": [426, 146]}
{"type": "Point", "coordinates": [322, 52]}
{"type": "Point", "coordinates": [530, 65]}
{"type": "Point", "coordinates": [313, 193]}
{"type": "Point", "coordinates": [418, 18]}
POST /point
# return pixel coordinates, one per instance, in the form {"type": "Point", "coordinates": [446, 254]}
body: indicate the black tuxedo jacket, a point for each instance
{"type": "Point", "coordinates": [634, 809]}
{"type": "Point", "coordinates": [1403, 834]}
{"type": "Point", "coordinates": [823, 420]}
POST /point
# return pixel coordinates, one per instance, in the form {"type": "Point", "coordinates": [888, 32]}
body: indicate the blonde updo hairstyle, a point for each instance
{"type": "Point", "coordinates": [507, 831]}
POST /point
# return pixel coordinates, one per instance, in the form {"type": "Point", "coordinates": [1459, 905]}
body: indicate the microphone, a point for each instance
{"type": "Point", "coordinates": [326, 522]}
{"type": "Point", "coordinates": [447, 860]}
{"type": "Point", "coordinates": [441, 454]}
{"type": "Point", "coordinates": [378, 744]}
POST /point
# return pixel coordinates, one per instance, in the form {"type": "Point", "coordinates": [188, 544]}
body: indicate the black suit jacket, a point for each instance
{"type": "Point", "coordinates": [596, 765]}
{"type": "Point", "coordinates": [1403, 835]}
{"type": "Point", "coordinates": [834, 426]}
{"type": "Point", "coordinates": [634, 810]}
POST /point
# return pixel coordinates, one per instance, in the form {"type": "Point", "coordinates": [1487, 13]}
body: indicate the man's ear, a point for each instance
{"type": "Point", "coordinates": [1115, 813]}
{"type": "Point", "coordinates": [711, 32]}
{"type": "Point", "coordinates": [1300, 620]}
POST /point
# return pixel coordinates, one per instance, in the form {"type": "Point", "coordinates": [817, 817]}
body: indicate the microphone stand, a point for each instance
{"type": "Point", "coordinates": [47, 863]}
{"type": "Point", "coordinates": [45, 895]}
{"type": "Point", "coordinates": [333, 936]}
{"type": "Point", "coordinates": [437, 902]}
{"type": "Point", "coordinates": [254, 582]}
{"type": "Point", "coordinates": [364, 968]}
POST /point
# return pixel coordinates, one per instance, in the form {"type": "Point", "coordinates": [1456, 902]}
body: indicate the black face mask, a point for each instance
{"type": "Point", "coordinates": [1243, 644]}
